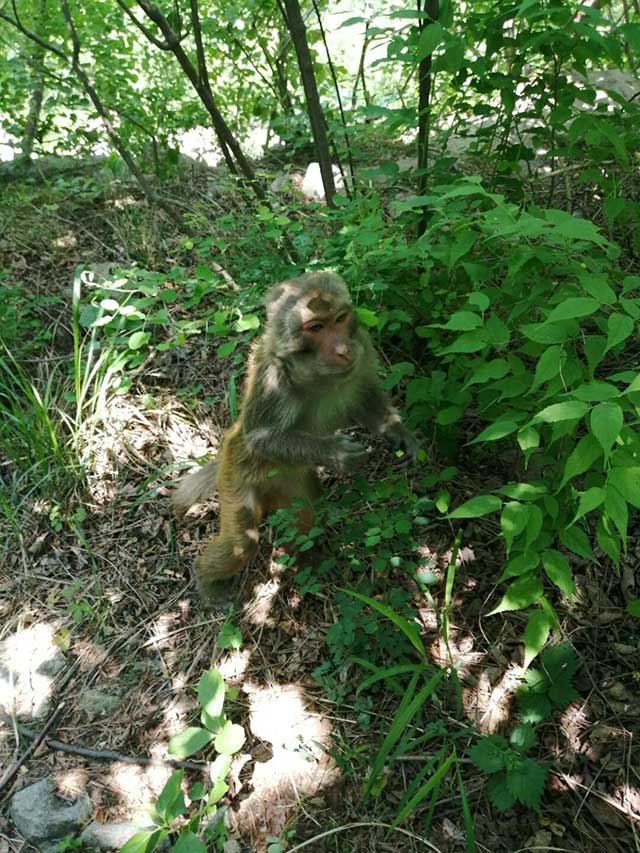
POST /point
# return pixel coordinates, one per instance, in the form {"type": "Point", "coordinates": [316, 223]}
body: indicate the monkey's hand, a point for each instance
{"type": "Point", "coordinates": [346, 454]}
{"type": "Point", "coordinates": [402, 439]}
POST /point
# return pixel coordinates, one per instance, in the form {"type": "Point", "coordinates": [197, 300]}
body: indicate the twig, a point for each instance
{"type": "Point", "coordinates": [111, 754]}
{"type": "Point", "coordinates": [17, 764]}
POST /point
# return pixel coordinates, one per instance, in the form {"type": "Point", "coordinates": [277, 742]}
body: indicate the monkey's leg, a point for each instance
{"type": "Point", "coordinates": [305, 486]}
{"type": "Point", "coordinates": [226, 555]}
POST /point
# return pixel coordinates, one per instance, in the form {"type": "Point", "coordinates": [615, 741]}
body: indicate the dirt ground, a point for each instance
{"type": "Point", "coordinates": [122, 611]}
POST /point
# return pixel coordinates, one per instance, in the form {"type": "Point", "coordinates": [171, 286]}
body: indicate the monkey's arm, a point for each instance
{"type": "Point", "coordinates": [270, 431]}
{"type": "Point", "coordinates": [376, 414]}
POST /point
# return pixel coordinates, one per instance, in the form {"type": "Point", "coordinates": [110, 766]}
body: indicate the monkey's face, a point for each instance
{"type": "Point", "coordinates": [312, 326]}
{"type": "Point", "coordinates": [327, 334]}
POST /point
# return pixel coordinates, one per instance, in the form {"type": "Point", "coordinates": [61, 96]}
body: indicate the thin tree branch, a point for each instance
{"type": "Point", "coordinates": [146, 32]}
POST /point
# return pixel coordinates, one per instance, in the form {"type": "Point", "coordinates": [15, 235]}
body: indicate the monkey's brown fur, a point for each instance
{"type": "Point", "coordinates": [312, 372]}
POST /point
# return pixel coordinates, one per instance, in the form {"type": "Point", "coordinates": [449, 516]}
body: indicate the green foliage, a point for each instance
{"type": "Point", "coordinates": [512, 776]}
{"type": "Point", "coordinates": [550, 686]}
{"type": "Point", "coordinates": [171, 816]}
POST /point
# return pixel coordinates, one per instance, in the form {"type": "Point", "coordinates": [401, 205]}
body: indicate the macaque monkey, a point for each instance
{"type": "Point", "coordinates": [312, 372]}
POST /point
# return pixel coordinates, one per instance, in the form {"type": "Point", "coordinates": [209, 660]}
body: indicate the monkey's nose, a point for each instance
{"type": "Point", "coordinates": [344, 356]}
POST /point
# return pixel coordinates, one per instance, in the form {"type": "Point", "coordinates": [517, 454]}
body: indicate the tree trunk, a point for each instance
{"type": "Point", "coordinates": [36, 70]}
{"type": "Point", "coordinates": [314, 108]}
{"type": "Point", "coordinates": [424, 110]}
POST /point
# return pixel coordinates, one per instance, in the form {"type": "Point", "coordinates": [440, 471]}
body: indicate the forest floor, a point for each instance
{"type": "Point", "coordinates": [124, 615]}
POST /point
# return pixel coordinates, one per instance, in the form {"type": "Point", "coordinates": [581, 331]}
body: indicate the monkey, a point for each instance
{"type": "Point", "coordinates": [312, 372]}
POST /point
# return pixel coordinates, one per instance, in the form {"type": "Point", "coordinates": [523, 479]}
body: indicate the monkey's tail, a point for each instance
{"type": "Point", "coordinates": [195, 487]}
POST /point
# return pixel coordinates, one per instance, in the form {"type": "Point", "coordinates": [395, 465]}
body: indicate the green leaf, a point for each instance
{"type": "Point", "coordinates": [616, 509]}
{"type": "Point", "coordinates": [189, 843]}
{"type": "Point", "coordinates": [548, 366]}
{"type": "Point", "coordinates": [226, 348]}
{"type": "Point", "coordinates": [430, 38]}
{"type": "Point", "coordinates": [522, 491]}
{"type": "Point", "coordinates": [432, 783]}
{"type": "Point", "coordinates": [170, 803]}
{"type": "Point", "coordinates": [366, 317]}
{"type": "Point", "coordinates": [528, 438]}
{"type": "Point", "coordinates": [404, 715]}
{"type": "Point", "coordinates": [633, 608]}
{"type": "Point", "coordinates": [598, 287]}
{"type": "Point", "coordinates": [576, 540]}
{"type": "Point", "coordinates": [558, 571]}
{"type": "Point", "coordinates": [606, 423]}
{"type": "Point", "coordinates": [211, 692]}
{"type": "Point", "coordinates": [498, 792]}
{"type": "Point", "coordinates": [609, 541]}
{"type": "Point", "coordinates": [619, 327]}
{"type": "Point", "coordinates": [595, 392]}
{"type": "Point", "coordinates": [627, 482]}
{"type": "Point", "coordinates": [559, 662]}
{"type": "Point", "coordinates": [589, 500]}
{"type": "Point", "coordinates": [513, 521]}
{"type": "Point", "coordinates": [480, 300]}
{"type": "Point", "coordinates": [229, 739]}
{"type": "Point", "coordinates": [461, 321]}
{"type": "Point", "coordinates": [547, 333]}
{"type": "Point", "coordinates": [477, 507]}
{"type": "Point", "coordinates": [189, 741]}
{"type": "Point", "coordinates": [523, 737]}
{"type": "Point", "coordinates": [569, 411]}
{"type": "Point", "coordinates": [138, 843]}
{"type": "Point", "coordinates": [489, 753]}
{"type": "Point", "coordinates": [466, 342]}
{"type": "Point", "coordinates": [526, 781]}
{"type": "Point", "coordinates": [138, 340]}
{"type": "Point", "coordinates": [409, 629]}
{"type": "Point", "coordinates": [533, 707]}
{"type": "Point", "coordinates": [247, 323]}
{"type": "Point", "coordinates": [535, 635]}
{"type": "Point", "coordinates": [520, 594]}
{"type": "Point", "coordinates": [582, 457]}
{"type": "Point", "coordinates": [230, 636]}
{"type": "Point", "coordinates": [496, 431]}
{"type": "Point", "coordinates": [520, 565]}
{"type": "Point", "coordinates": [218, 791]}
{"type": "Point", "coordinates": [571, 309]}
{"type": "Point", "coordinates": [497, 368]}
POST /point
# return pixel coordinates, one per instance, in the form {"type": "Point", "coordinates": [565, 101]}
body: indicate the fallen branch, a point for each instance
{"type": "Point", "coordinates": [110, 754]}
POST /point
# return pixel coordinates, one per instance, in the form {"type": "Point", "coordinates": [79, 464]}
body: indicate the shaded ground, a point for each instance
{"type": "Point", "coordinates": [128, 623]}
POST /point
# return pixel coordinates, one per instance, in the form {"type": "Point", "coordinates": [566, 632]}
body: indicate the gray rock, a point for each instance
{"type": "Point", "coordinates": [40, 815]}
{"type": "Point", "coordinates": [108, 836]}
{"type": "Point", "coordinates": [97, 703]}
{"type": "Point", "coordinates": [29, 662]}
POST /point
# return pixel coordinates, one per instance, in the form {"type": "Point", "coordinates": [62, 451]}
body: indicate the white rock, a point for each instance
{"type": "Point", "coordinates": [312, 185]}
{"type": "Point", "coordinates": [29, 662]}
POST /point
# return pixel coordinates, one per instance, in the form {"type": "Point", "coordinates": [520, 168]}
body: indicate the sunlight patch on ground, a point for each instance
{"type": "Point", "coordinates": [259, 607]}
{"type": "Point", "coordinates": [573, 723]}
{"type": "Point", "coordinates": [458, 652]}
{"type": "Point", "coordinates": [300, 766]}
{"type": "Point", "coordinates": [234, 665]}
{"type": "Point", "coordinates": [488, 704]}
{"type": "Point", "coordinates": [138, 787]}
{"type": "Point", "coordinates": [30, 659]}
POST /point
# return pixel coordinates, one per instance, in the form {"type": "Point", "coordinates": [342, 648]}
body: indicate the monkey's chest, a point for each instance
{"type": "Point", "coordinates": [327, 413]}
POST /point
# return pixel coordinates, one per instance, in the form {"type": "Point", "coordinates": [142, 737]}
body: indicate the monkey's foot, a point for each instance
{"type": "Point", "coordinates": [217, 595]}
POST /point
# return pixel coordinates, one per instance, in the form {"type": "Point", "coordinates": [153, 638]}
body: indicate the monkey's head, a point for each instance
{"type": "Point", "coordinates": [312, 326]}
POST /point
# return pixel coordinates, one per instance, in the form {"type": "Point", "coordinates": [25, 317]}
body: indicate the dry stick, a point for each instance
{"type": "Point", "coordinates": [111, 754]}
{"type": "Point", "coordinates": [17, 764]}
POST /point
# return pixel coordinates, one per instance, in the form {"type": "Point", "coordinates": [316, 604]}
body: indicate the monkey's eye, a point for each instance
{"type": "Point", "coordinates": [314, 327]}
{"type": "Point", "coordinates": [342, 317]}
